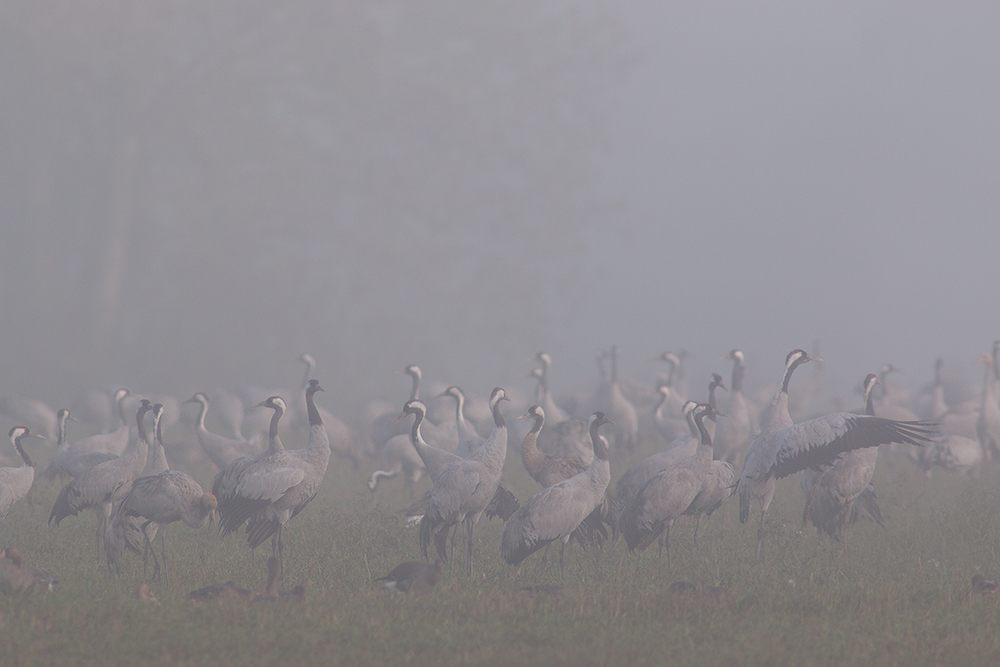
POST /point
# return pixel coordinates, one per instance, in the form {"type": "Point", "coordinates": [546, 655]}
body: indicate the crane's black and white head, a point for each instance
{"type": "Point", "coordinates": [497, 395]}
{"type": "Point", "coordinates": [716, 382]}
{"type": "Point", "coordinates": [544, 359]}
{"type": "Point", "coordinates": [413, 371]}
{"type": "Point", "coordinates": [454, 392]}
{"type": "Point", "coordinates": [414, 407]}
{"type": "Point", "coordinates": [688, 407]}
{"type": "Point", "coordinates": [308, 360]}
{"type": "Point", "coordinates": [534, 412]}
{"type": "Point", "coordinates": [734, 355]}
{"type": "Point", "coordinates": [313, 387]}
{"type": "Point", "coordinates": [199, 397]}
{"type": "Point", "coordinates": [121, 394]}
{"type": "Point", "coordinates": [276, 403]}
{"type": "Point", "coordinates": [888, 368]}
{"type": "Point", "coordinates": [664, 391]}
{"type": "Point", "coordinates": [18, 433]}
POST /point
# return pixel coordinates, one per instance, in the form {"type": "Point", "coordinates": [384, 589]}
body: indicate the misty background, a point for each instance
{"type": "Point", "coordinates": [193, 194]}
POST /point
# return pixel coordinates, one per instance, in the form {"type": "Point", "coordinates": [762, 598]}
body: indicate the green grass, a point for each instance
{"type": "Point", "coordinates": [894, 596]}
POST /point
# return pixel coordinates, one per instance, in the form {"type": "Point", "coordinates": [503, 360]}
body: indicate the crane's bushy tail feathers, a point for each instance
{"type": "Point", "coordinates": [503, 504]}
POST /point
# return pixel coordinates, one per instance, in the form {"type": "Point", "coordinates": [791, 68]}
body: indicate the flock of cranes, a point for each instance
{"type": "Point", "coordinates": [260, 486]}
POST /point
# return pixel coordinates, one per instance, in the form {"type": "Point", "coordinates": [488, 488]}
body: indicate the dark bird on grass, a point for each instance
{"type": "Point", "coordinates": [783, 448]}
{"type": "Point", "coordinates": [21, 578]}
{"type": "Point", "coordinates": [555, 512]}
{"type": "Point", "coordinates": [465, 488]}
{"type": "Point", "coordinates": [412, 577]}
{"type": "Point", "coordinates": [226, 591]}
{"type": "Point", "coordinates": [271, 490]}
{"type": "Point", "coordinates": [984, 586]}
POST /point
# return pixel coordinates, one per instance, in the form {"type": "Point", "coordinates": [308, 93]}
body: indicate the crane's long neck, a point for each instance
{"type": "Point", "coordinates": [310, 368]}
{"type": "Point", "coordinates": [738, 372]}
{"type": "Point", "coordinates": [869, 402]}
{"type": "Point", "coordinates": [135, 454]}
{"type": "Point", "coordinates": [415, 390]}
{"type": "Point", "coordinates": [705, 449]}
{"type": "Point", "coordinates": [494, 451]}
{"type": "Point", "coordinates": [776, 416]}
{"type": "Point", "coordinates": [711, 395]}
{"type": "Point", "coordinates": [319, 441]}
{"type": "Point", "coordinates": [415, 437]}
{"type": "Point", "coordinates": [23, 454]}
{"type": "Point", "coordinates": [531, 456]}
{"type": "Point", "coordinates": [201, 415]}
{"type": "Point", "coordinates": [987, 385]}
{"type": "Point", "coordinates": [273, 441]}
{"type": "Point", "coordinates": [659, 406]}
{"type": "Point", "coordinates": [61, 444]}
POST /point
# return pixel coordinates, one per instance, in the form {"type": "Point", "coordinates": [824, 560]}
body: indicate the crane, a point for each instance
{"type": "Point", "coordinates": [734, 427]}
{"type": "Point", "coordinates": [220, 449]}
{"type": "Point", "coordinates": [270, 490]}
{"type": "Point", "coordinates": [669, 494]}
{"type": "Point", "coordinates": [16, 482]}
{"type": "Point", "coordinates": [555, 512]}
{"type": "Point", "coordinates": [783, 448]}
{"type": "Point", "coordinates": [106, 483]}
{"type": "Point", "coordinates": [466, 487]}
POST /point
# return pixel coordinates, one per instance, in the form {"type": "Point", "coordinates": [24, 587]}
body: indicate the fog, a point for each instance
{"type": "Point", "coordinates": [193, 194]}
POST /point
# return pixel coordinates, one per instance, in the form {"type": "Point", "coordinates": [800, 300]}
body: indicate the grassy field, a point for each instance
{"type": "Point", "coordinates": [894, 596]}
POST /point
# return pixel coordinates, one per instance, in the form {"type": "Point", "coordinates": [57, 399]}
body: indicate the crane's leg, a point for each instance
{"type": "Point", "coordinates": [149, 548]}
{"type": "Point", "coordinates": [760, 537]}
{"type": "Point", "coordinates": [469, 526]}
{"type": "Point", "coordinates": [163, 554]}
{"type": "Point", "coordinates": [281, 553]}
{"type": "Point", "coordinates": [666, 541]}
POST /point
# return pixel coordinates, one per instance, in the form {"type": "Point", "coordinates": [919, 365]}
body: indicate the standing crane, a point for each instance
{"type": "Point", "coordinates": [16, 482]}
{"type": "Point", "coordinates": [555, 512]}
{"type": "Point", "coordinates": [735, 426]}
{"type": "Point", "coordinates": [783, 448]}
{"type": "Point", "coordinates": [220, 449]}
{"type": "Point", "coordinates": [832, 490]}
{"type": "Point", "coordinates": [668, 494]}
{"type": "Point", "coordinates": [69, 461]}
{"type": "Point", "coordinates": [468, 439]}
{"type": "Point", "coordinates": [271, 490]}
{"type": "Point", "coordinates": [115, 441]}
{"type": "Point", "coordinates": [466, 487]}
{"type": "Point", "coordinates": [106, 483]}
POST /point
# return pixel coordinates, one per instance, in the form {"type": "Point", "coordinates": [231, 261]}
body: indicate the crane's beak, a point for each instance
{"type": "Point", "coordinates": [29, 434]}
{"type": "Point", "coordinates": [262, 404]}
{"type": "Point", "coordinates": [812, 358]}
{"type": "Point", "coordinates": [72, 418]}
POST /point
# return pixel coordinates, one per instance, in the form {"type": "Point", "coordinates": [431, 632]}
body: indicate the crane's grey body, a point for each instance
{"type": "Point", "coordinates": [668, 494]}
{"type": "Point", "coordinates": [782, 448]}
{"type": "Point", "coordinates": [469, 439]}
{"type": "Point", "coordinates": [832, 490]}
{"type": "Point", "coordinates": [220, 449]}
{"type": "Point", "coordinates": [116, 441]}
{"type": "Point", "coordinates": [621, 412]}
{"type": "Point", "coordinates": [338, 434]}
{"type": "Point", "coordinates": [466, 487]}
{"type": "Point", "coordinates": [555, 413]}
{"type": "Point", "coordinates": [16, 482]}
{"type": "Point", "coordinates": [734, 427]}
{"type": "Point", "coordinates": [555, 512]}
{"type": "Point", "coordinates": [69, 462]}
{"type": "Point", "coordinates": [271, 490]}
{"type": "Point", "coordinates": [226, 479]}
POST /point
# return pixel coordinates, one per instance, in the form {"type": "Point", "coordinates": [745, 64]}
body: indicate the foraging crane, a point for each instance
{"type": "Point", "coordinates": [734, 427]}
{"type": "Point", "coordinates": [466, 487]}
{"type": "Point", "coordinates": [106, 483]}
{"type": "Point", "coordinates": [783, 448]}
{"type": "Point", "coordinates": [555, 512]}
{"type": "Point", "coordinates": [21, 578]}
{"type": "Point", "coordinates": [669, 494]}
{"type": "Point", "coordinates": [16, 482]}
{"type": "Point", "coordinates": [271, 490]}
{"type": "Point", "coordinates": [220, 449]}
{"type": "Point", "coordinates": [116, 441]}
{"type": "Point", "coordinates": [832, 490]}
{"type": "Point", "coordinates": [164, 498]}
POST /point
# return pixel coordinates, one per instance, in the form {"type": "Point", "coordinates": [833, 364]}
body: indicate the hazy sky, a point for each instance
{"type": "Point", "coordinates": [195, 193]}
